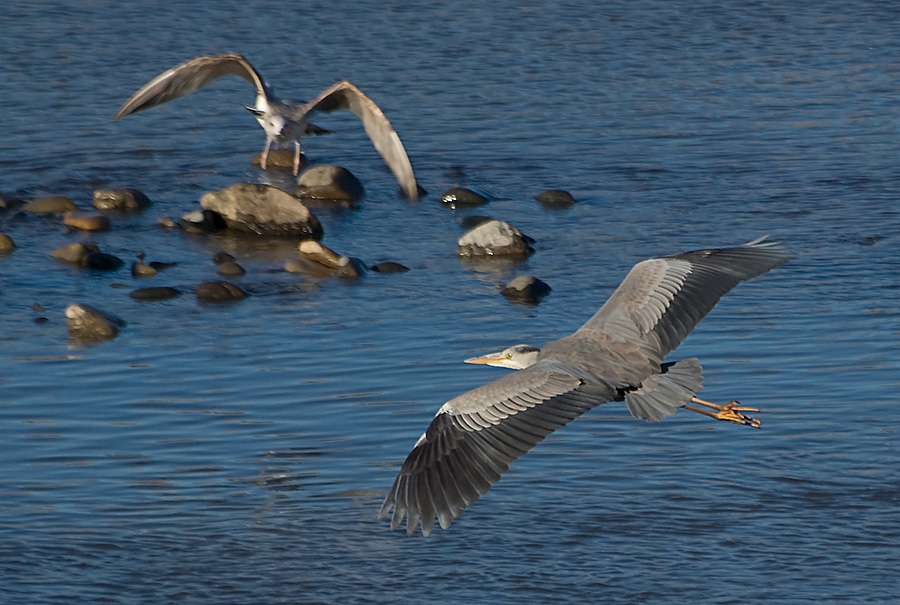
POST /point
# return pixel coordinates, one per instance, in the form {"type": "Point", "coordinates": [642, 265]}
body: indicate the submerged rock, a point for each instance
{"type": "Point", "coordinates": [89, 324]}
{"type": "Point", "coordinates": [101, 261]}
{"type": "Point", "coordinates": [333, 183]}
{"type": "Point", "coordinates": [494, 238]}
{"type": "Point", "coordinates": [121, 200]}
{"type": "Point", "coordinates": [205, 221]}
{"type": "Point", "coordinates": [389, 267]}
{"type": "Point", "coordinates": [526, 289]}
{"type": "Point", "coordinates": [55, 204]}
{"type": "Point", "coordinates": [155, 293]}
{"type": "Point", "coordinates": [219, 291]}
{"type": "Point", "coordinates": [460, 197]}
{"type": "Point", "coordinates": [555, 198]}
{"type": "Point", "coordinates": [263, 210]}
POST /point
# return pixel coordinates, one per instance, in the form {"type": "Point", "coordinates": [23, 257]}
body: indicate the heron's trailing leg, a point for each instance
{"type": "Point", "coordinates": [730, 412]}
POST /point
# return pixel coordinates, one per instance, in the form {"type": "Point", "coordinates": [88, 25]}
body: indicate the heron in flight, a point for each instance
{"type": "Point", "coordinates": [618, 355]}
{"type": "Point", "coordinates": [283, 121]}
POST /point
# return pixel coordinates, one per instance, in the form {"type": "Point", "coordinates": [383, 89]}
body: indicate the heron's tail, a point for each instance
{"type": "Point", "coordinates": [662, 394]}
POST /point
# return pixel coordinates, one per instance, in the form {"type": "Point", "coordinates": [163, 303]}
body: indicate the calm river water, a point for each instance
{"type": "Point", "coordinates": [239, 454]}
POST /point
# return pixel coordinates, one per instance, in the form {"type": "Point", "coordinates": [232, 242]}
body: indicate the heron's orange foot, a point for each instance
{"type": "Point", "coordinates": [730, 412]}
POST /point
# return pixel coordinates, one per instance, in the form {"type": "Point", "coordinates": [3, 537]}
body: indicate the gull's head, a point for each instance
{"type": "Point", "coordinates": [515, 358]}
{"type": "Point", "coordinates": [272, 123]}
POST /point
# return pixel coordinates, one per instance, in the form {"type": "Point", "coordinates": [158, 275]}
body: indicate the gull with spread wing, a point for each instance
{"type": "Point", "coordinates": [283, 121]}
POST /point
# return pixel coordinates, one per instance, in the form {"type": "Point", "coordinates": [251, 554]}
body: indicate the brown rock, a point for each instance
{"type": "Point", "coordinates": [153, 294]}
{"type": "Point", "coordinates": [75, 253]}
{"type": "Point", "coordinates": [7, 245]}
{"type": "Point", "coordinates": [341, 266]}
{"type": "Point", "coordinates": [140, 270]}
{"type": "Point", "coordinates": [55, 204]}
{"type": "Point", "coordinates": [280, 158]}
{"type": "Point", "coordinates": [86, 221]}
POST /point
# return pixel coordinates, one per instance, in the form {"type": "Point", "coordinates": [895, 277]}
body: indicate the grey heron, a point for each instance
{"type": "Point", "coordinates": [283, 121]}
{"type": "Point", "coordinates": [618, 355]}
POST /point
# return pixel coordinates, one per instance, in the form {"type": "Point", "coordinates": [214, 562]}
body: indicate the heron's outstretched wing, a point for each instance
{"type": "Point", "coordinates": [474, 437]}
{"type": "Point", "coordinates": [188, 77]}
{"type": "Point", "coordinates": [345, 95]}
{"type": "Point", "coordinates": [661, 300]}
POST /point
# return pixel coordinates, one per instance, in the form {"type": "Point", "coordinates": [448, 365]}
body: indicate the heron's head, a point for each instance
{"type": "Point", "coordinates": [515, 358]}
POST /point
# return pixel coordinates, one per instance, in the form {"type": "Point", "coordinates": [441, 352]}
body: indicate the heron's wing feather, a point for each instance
{"type": "Point", "coordinates": [345, 95]}
{"type": "Point", "coordinates": [474, 437]}
{"type": "Point", "coordinates": [188, 77]}
{"type": "Point", "coordinates": [662, 299]}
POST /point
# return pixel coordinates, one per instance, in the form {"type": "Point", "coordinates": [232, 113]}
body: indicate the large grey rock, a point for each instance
{"type": "Point", "coordinates": [526, 289]}
{"type": "Point", "coordinates": [494, 238]}
{"type": "Point", "coordinates": [122, 200]}
{"type": "Point", "coordinates": [333, 183]}
{"type": "Point", "coordinates": [89, 324]}
{"type": "Point", "coordinates": [263, 210]}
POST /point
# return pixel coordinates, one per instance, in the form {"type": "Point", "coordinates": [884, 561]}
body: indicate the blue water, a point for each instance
{"type": "Point", "coordinates": [240, 453]}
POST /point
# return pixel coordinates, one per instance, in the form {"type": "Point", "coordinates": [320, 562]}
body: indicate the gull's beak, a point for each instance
{"type": "Point", "coordinates": [490, 359]}
{"type": "Point", "coordinates": [254, 111]}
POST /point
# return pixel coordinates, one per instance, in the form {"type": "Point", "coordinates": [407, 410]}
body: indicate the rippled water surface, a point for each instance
{"type": "Point", "coordinates": [240, 453]}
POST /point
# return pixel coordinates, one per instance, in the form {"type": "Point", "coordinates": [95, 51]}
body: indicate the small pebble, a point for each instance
{"type": "Point", "coordinates": [555, 198]}
{"type": "Point", "coordinates": [140, 270]}
{"type": "Point", "coordinates": [390, 267]}
{"type": "Point", "coordinates": [219, 291]}
{"type": "Point", "coordinates": [152, 294]}
{"type": "Point", "coordinates": [7, 244]}
{"type": "Point", "coordinates": [230, 269]}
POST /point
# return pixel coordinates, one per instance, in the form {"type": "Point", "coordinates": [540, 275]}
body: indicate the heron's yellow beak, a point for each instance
{"type": "Point", "coordinates": [488, 360]}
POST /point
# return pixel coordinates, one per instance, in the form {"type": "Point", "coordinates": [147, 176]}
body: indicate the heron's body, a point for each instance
{"type": "Point", "coordinates": [618, 355]}
{"type": "Point", "coordinates": [283, 121]}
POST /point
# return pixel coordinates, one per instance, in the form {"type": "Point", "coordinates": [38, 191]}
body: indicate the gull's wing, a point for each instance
{"type": "Point", "coordinates": [345, 95]}
{"type": "Point", "coordinates": [188, 77]}
{"type": "Point", "coordinates": [662, 299]}
{"type": "Point", "coordinates": [474, 437]}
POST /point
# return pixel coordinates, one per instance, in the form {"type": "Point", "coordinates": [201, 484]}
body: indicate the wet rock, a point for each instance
{"type": "Point", "coordinates": [222, 257]}
{"type": "Point", "coordinates": [55, 204]}
{"type": "Point", "coordinates": [263, 210]}
{"type": "Point", "coordinates": [89, 324]}
{"type": "Point", "coordinates": [460, 197]}
{"type": "Point", "coordinates": [75, 253]}
{"type": "Point", "coordinates": [219, 291]}
{"type": "Point", "coordinates": [341, 266]}
{"type": "Point", "coordinates": [555, 198]}
{"type": "Point", "coordinates": [160, 265]}
{"type": "Point", "coordinates": [494, 238]}
{"type": "Point", "coordinates": [7, 244]}
{"type": "Point", "coordinates": [153, 294]}
{"type": "Point", "coordinates": [86, 221]}
{"type": "Point", "coordinates": [333, 183]}
{"type": "Point", "coordinates": [38, 307]}
{"type": "Point", "coordinates": [121, 200]}
{"type": "Point", "coordinates": [166, 223]}
{"type": "Point", "coordinates": [526, 289]}
{"type": "Point", "coordinates": [230, 269]}
{"type": "Point", "coordinates": [101, 261]}
{"type": "Point", "coordinates": [280, 158]}
{"type": "Point", "coordinates": [389, 267]}
{"type": "Point", "coordinates": [140, 270]}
